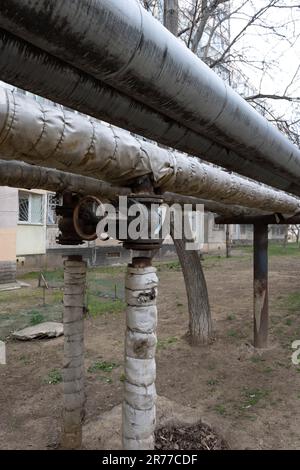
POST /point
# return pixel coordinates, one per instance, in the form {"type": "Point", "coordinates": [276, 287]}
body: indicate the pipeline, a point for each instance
{"type": "Point", "coordinates": [120, 44]}
{"type": "Point", "coordinates": [16, 174]}
{"type": "Point", "coordinates": [50, 136]}
{"type": "Point", "coordinates": [70, 87]}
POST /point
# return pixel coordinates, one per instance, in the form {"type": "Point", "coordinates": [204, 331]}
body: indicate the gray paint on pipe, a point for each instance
{"type": "Point", "coordinates": [68, 86]}
{"type": "Point", "coordinates": [119, 43]}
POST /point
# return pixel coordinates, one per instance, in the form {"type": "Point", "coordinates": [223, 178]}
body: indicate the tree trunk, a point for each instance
{"type": "Point", "coordinates": [260, 285]}
{"type": "Point", "coordinates": [171, 16]}
{"type": "Point", "coordinates": [227, 241]}
{"type": "Point", "coordinates": [285, 240]}
{"type": "Point", "coordinates": [139, 410]}
{"type": "Point", "coordinates": [73, 368]}
{"type": "Point", "coordinates": [200, 323]}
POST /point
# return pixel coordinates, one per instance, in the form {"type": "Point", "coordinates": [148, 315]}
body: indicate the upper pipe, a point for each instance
{"type": "Point", "coordinates": [121, 44]}
{"type": "Point", "coordinates": [32, 69]}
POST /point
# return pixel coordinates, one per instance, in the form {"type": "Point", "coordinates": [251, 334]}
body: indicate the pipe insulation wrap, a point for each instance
{"type": "Point", "coordinates": [70, 87]}
{"type": "Point", "coordinates": [139, 406]}
{"type": "Point", "coordinates": [48, 135]}
{"type": "Point", "coordinates": [17, 174]}
{"type": "Point", "coordinates": [119, 43]}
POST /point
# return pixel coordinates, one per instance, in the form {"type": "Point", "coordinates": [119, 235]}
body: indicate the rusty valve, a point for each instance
{"type": "Point", "coordinates": [85, 217]}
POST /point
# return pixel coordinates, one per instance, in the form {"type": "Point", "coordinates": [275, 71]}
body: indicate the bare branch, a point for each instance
{"type": "Point", "coordinates": [271, 97]}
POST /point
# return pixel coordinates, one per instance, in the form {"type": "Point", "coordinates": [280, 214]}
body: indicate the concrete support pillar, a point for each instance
{"type": "Point", "coordinates": [73, 367]}
{"type": "Point", "coordinates": [139, 411]}
{"type": "Point", "coordinates": [261, 313]}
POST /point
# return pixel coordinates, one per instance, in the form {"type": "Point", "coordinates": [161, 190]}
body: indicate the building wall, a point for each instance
{"type": "Point", "coordinates": [243, 234]}
{"type": "Point", "coordinates": [8, 228]}
{"type": "Point", "coordinates": [31, 240]}
{"type": "Point", "coordinates": [214, 235]}
{"type": "Point", "coordinates": [31, 237]}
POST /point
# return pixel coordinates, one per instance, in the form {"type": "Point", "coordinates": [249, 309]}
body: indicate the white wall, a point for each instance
{"type": "Point", "coordinates": [31, 238]}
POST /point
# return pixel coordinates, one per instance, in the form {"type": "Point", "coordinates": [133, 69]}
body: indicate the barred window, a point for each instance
{"type": "Point", "coordinates": [31, 208]}
{"type": "Point", "coordinates": [52, 201]}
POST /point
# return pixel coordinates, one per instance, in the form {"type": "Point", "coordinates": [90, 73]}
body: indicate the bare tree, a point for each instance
{"type": "Point", "coordinates": [200, 322]}
{"type": "Point", "coordinates": [295, 231]}
{"type": "Point", "coordinates": [220, 32]}
{"type": "Point", "coordinates": [237, 39]}
{"type": "Point", "coordinates": [171, 16]}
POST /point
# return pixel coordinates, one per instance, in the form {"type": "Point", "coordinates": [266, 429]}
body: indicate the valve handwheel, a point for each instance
{"type": "Point", "coordinates": [85, 217]}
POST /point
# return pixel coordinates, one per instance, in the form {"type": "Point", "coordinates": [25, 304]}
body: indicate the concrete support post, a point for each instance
{"type": "Point", "coordinates": [73, 367]}
{"type": "Point", "coordinates": [261, 313]}
{"type": "Point", "coordinates": [139, 411]}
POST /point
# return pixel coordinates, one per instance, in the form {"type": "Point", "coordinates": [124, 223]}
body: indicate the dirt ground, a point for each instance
{"type": "Point", "coordinates": [252, 397]}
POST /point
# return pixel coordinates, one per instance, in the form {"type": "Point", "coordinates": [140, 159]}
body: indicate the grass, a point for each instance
{"type": "Point", "coordinates": [291, 301]}
{"type": "Point", "coordinates": [54, 377]}
{"type": "Point", "coordinates": [164, 343]}
{"type": "Point", "coordinates": [54, 276]}
{"type": "Point", "coordinates": [268, 370]}
{"type": "Point", "coordinates": [231, 317]}
{"type": "Point", "coordinates": [111, 270]}
{"type": "Point", "coordinates": [102, 378]}
{"type": "Point", "coordinates": [168, 266]}
{"type": "Point", "coordinates": [36, 317]}
{"type": "Point", "coordinates": [220, 409]}
{"type": "Point", "coordinates": [57, 296]}
{"type": "Point", "coordinates": [103, 366]}
{"type": "Point", "coordinates": [253, 396]}
{"type": "Point", "coordinates": [233, 334]}
{"type": "Point", "coordinates": [250, 398]}
{"type": "Point", "coordinates": [257, 359]}
{"type": "Point", "coordinates": [277, 249]}
{"type": "Point", "coordinates": [25, 359]}
{"type": "Point", "coordinates": [24, 307]}
{"type": "Point", "coordinates": [213, 382]}
{"type": "Point", "coordinates": [98, 306]}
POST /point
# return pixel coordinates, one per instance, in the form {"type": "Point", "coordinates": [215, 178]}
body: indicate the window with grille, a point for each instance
{"type": "Point", "coordinates": [31, 208]}
{"type": "Point", "coordinates": [52, 202]}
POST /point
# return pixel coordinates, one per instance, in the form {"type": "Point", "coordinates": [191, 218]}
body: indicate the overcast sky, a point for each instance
{"type": "Point", "coordinates": [281, 53]}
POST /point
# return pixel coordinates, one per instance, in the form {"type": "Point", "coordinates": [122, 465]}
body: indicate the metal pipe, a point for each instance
{"type": "Point", "coordinates": [225, 211]}
{"type": "Point", "coordinates": [50, 136]}
{"type": "Point", "coordinates": [271, 219]}
{"type": "Point", "coordinates": [260, 285]}
{"type": "Point", "coordinates": [121, 44]}
{"type": "Point", "coordinates": [18, 174]}
{"type": "Point", "coordinates": [70, 87]}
